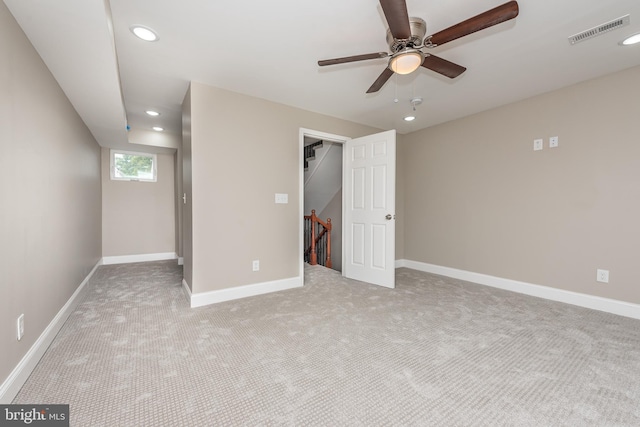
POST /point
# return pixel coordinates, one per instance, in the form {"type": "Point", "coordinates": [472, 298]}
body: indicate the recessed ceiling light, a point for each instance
{"type": "Point", "coordinates": [410, 118]}
{"type": "Point", "coordinates": [631, 40]}
{"type": "Point", "coordinates": [157, 128]}
{"type": "Point", "coordinates": [152, 113]}
{"type": "Point", "coordinates": [145, 33]}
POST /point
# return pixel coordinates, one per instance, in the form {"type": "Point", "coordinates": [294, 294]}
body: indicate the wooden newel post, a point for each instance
{"type": "Point", "coordinates": [328, 263]}
{"type": "Point", "coordinates": [313, 256]}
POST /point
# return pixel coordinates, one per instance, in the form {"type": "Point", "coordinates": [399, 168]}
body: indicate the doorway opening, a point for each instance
{"type": "Point", "coordinates": [323, 198]}
{"type": "Point", "coordinates": [321, 183]}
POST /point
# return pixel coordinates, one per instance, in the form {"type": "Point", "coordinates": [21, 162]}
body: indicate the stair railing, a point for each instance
{"type": "Point", "coordinates": [317, 240]}
{"type": "Point", "coordinates": [310, 152]}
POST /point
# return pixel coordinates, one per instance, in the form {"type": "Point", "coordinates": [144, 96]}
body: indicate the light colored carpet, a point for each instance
{"type": "Point", "coordinates": [434, 351]}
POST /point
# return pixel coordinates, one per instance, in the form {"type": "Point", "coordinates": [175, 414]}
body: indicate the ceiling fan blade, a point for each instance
{"type": "Point", "coordinates": [442, 66]}
{"type": "Point", "coordinates": [397, 17]}
{"type": "Point", "coordinates": [380, 81]}
{"type": "Point", "coordinates": [352, 58]}
{"type": "Point", "coordinates": [487, 19]}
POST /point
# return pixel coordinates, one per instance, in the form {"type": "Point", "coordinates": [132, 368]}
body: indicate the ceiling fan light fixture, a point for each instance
{"type": "Point", "coordinates": [409, 118]}
{"type": "Point", "coordinates": [406, 61]}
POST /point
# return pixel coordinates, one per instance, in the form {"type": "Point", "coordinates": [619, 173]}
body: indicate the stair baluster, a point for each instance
{"type": "Point", "coordinates": [317, 241]}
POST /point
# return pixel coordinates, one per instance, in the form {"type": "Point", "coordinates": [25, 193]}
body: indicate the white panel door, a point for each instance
{"type": "Point", "coordinates": [369, 227]}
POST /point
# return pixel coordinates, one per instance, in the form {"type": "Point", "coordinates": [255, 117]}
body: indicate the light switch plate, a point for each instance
{"type": "Point", "coordinates": [537, 144]}
{"type": "Point", "coordinates": [282, 198]}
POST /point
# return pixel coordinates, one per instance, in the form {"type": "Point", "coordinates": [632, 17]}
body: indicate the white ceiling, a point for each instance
{"type": "Point", "coordinates": [270, 50]}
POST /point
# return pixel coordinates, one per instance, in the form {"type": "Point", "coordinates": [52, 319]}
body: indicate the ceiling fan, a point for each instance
{"type": "Point", "coordinates": [406, 39]}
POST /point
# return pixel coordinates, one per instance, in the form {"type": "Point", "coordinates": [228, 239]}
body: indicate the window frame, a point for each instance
{"type": "Point", "coordinates": [112, 168]}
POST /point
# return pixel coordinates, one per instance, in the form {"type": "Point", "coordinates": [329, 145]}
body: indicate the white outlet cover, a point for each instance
{"type": "Point", "coordinates": [553, 142]}
{"type": "Point", "coordinates": [537, 144]}
{"type": "Point", "coordinates": [602, 275]}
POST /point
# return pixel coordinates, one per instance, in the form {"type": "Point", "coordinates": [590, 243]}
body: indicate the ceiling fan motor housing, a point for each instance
{"type": "Point", "coordinates": [418, 31]}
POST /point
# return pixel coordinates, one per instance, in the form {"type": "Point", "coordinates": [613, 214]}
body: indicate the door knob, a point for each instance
{"type": "Point", "coordinates": [388, 217]}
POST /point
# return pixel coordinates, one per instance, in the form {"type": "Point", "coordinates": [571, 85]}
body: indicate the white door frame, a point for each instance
{"type": "Point", "coordinates": [339, 139]}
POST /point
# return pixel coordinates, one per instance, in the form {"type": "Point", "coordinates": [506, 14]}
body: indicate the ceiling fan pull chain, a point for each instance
{"type": "Point", "coordinates": [395, 81]}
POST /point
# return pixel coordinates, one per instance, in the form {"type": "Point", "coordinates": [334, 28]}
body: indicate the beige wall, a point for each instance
{"type": "Point", "coordinates": [400, 196]}
{"type": "Point", "coordinates": [177, 168]}
{"type": "Point", "coordinates": [185, 159]}
{"type": "Point", "coordinates": [244, 150]}
{"type": "Point", "coordinates": [50, 192]}
{"type": "Point", "coordinates": [478, 198]}
{"type": "Point", "coordinates": [138, 217]}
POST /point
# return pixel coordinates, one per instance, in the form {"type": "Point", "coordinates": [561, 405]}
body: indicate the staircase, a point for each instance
{"type": "Point", "coordinates": [323, 192]}
{"type": "Point", "coordinates": [317, 240]}
{"type": "Point", "coordinates": [323, 177]}
{"type": "Point", "coordinates": [310, 153]}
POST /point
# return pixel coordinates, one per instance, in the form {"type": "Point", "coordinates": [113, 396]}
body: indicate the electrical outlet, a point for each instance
{"type": "Point", "coordinates": [256, 265]}
{"type": "Point", "coordinates": [537, 144]}
{"type": "Point", "coordinates": [20, 327]}
{"type": "Point", "coordinates": [553, 142]}
{"type": "Point", "coordinates": [602, 276]}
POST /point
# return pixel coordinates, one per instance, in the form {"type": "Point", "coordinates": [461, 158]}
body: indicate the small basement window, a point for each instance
{"type": "Point", "coordinates": [130, 166]}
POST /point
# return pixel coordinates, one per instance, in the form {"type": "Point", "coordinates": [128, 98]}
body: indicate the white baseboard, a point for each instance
{"type": "Point", "coordinates": [621, 308]}
{"type": "Point", "coordinates": [126, 259]}
{"type": "Point", "coordinates": [213, 297]}
{"type": "Point", "coordinates": [14, 382]}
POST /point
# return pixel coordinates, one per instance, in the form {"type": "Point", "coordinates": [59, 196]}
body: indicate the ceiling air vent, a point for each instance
{"type": "Point", "coordinates": [600, 29]}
